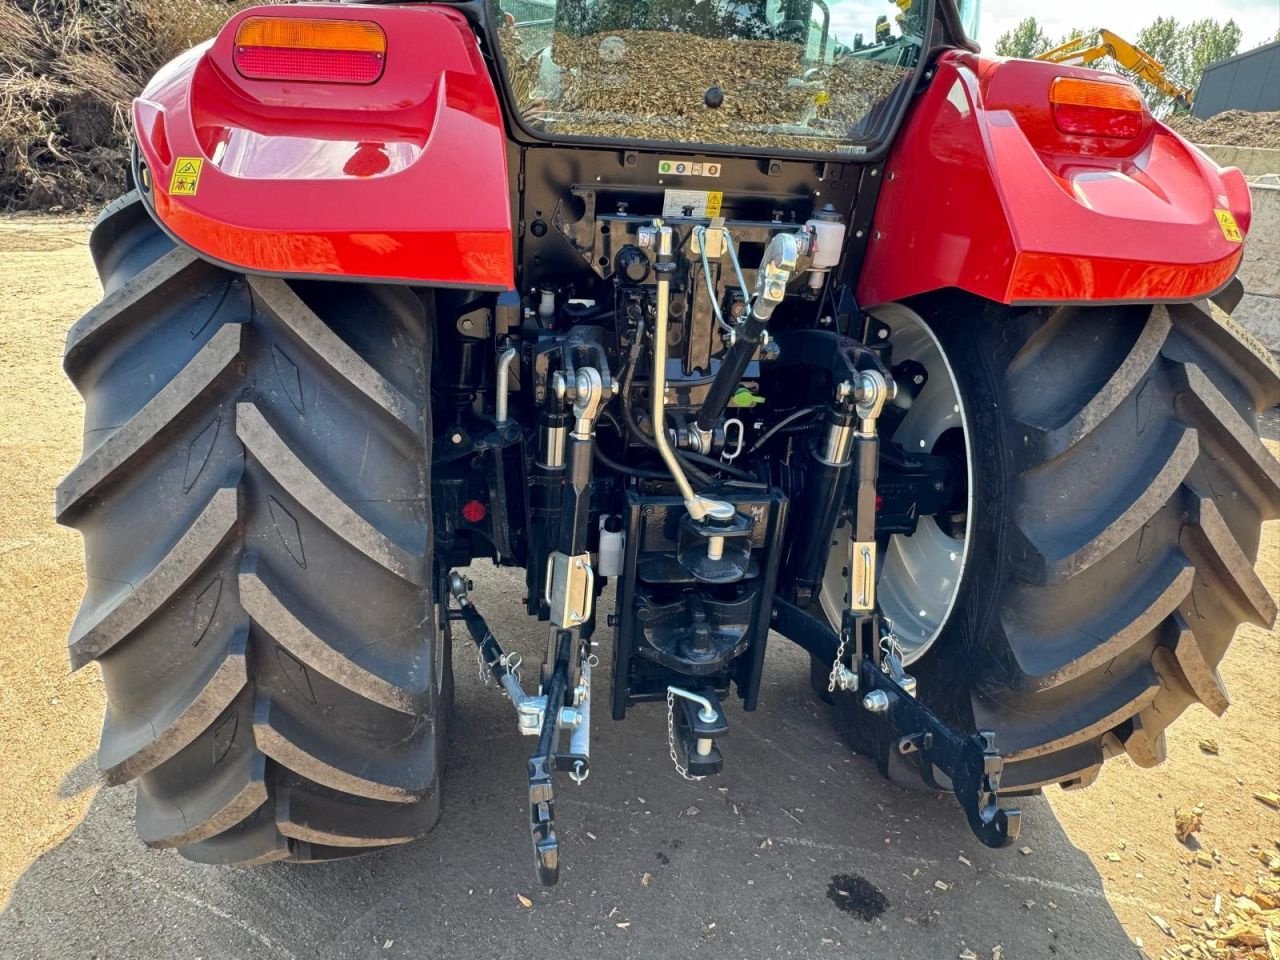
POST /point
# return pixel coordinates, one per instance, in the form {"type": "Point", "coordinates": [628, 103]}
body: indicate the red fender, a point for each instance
{"type": "Point", "coordinates": [981, 192]}
{"type": "Point", "coordinates": [402, 179]}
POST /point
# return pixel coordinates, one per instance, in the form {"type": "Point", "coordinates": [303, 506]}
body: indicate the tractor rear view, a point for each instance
{"type": "Point", "coordinates": [776, 323]}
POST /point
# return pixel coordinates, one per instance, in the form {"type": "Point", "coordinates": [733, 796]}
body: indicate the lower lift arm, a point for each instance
{"type": "Point", "coordinates": [564, 698]}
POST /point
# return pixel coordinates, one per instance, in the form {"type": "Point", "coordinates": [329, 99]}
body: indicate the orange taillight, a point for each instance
{"type": "Point", "coordinates": [1096, 108]}
{"type": "Point", "coordinates": [299, 48]}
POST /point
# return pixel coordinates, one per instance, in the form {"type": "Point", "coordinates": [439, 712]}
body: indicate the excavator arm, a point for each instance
{"type": "Point", "coordinates": [1087, 50]}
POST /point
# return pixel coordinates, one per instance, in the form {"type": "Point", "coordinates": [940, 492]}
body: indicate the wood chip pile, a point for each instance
{"type": "Point", "coordinates": [1241, 922]}
{"type": "Point", "coordinates": [1238, 128]}
{"type": "Point", "coordinates": [645, 84]}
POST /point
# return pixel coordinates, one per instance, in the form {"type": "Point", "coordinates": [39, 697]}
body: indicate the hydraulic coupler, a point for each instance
{"type": "Point", "coordinates": [776, 269]}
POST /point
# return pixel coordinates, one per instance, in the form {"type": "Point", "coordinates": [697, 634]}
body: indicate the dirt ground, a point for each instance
{"type": "Point", "coordinates": [49, 719]}
{"type": "Point", "coordinates": [1240, 128]}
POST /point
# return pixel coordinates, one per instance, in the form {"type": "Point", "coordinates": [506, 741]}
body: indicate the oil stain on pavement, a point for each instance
{"type": "Point", "coordinates": [857, 895]}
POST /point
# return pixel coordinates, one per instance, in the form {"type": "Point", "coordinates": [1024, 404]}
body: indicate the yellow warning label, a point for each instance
{"type": "Point", "coordinates": [1228, 224]}
{"type": "Point", "coordinates": [714, 198]}
{"type": "Point", "coordinates": [186, 176]}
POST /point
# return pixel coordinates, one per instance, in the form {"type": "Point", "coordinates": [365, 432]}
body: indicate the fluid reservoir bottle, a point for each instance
{"type": "Point", "coordinates": [609, 559]}
{"type": "Point", "coordinates": [828, 241]}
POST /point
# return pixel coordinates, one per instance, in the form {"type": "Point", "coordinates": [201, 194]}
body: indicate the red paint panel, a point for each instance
{"type": "Point", "coordinates": [402, 179]}
{"type": "Point", "coordinates": [983, 192]}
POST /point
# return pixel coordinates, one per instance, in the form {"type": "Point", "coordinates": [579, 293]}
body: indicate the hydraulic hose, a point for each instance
{"type": "Point", "coordinates": [699, 507]}
{"type": "Point", "coordinates": [732, 367]}
{"type": "Point", "coordinates": [776, 267]}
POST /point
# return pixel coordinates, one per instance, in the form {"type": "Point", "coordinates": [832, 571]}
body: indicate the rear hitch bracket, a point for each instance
{"type": "Point", "coordinates": [897, 721]}
{"type": "Point", "coordinates": [970, 762]}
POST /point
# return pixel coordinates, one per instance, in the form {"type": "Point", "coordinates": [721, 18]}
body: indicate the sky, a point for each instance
{"type": "Point", "coordinates": [1258, 19]}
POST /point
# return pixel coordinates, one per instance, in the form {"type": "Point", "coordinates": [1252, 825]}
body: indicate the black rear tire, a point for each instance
{"type": "Point", "coordinates": [1119, 490]}
{"type": "Point", "coordinates": [253, 497]}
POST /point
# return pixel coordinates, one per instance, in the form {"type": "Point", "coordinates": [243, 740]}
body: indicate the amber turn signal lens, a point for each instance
{"type": "Point", "coordinates": [1097, 108]}
{"type": "Point", "coordinates": [299, 48]}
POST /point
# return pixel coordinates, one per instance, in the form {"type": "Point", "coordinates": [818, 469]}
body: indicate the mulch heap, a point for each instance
{"type": "Point", "coordinates": [69, 70]}
{"type": "Point", "coordinates": [1237, 128]}
{"type": "Point", "coordinates": [650, 85]}
{"type": "Point", "coordinates": [63, 111]}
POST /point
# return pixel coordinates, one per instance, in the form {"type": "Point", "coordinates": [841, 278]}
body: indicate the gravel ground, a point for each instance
{"type": "Point", "coordinates": [753, 864]}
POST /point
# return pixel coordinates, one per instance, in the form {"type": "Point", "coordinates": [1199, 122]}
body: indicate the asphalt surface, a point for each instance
{"type": "Point", "coordinates": [754, 863]}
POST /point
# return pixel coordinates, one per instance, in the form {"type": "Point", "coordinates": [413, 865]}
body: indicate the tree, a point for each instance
{"type": "Point", "coordinates": [1206, 42]}
{"type": "Point", "coordinates": [1026, 40]}
{"type": "Point", "coordinates": [1185, 50]}
{"type": "Point", "coordinates": [1161, 40]}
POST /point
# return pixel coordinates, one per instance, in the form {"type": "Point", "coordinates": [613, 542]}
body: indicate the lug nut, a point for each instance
{"type": "Point", "coordinates": [877, 701]}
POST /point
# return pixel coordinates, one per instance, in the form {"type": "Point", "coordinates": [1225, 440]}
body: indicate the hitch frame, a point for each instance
{"type": "Point", "coordinates": [896, 721]}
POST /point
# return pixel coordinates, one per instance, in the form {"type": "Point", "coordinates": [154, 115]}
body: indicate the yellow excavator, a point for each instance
{"type": "Point", "coordinates": [1090, 48]}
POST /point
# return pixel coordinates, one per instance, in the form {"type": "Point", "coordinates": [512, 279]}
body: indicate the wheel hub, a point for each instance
{"type": "Point", "coordinates": [920, 574]}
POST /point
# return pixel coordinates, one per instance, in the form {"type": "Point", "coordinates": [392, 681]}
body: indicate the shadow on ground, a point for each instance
{"type": "Point", "coordinates": [743, 865]}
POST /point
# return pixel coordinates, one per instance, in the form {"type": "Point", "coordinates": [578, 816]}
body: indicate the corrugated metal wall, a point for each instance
{"type": "Point", "coordinates": [1247, 81]}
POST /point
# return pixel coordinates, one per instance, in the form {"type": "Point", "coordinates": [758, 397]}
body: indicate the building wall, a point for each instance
{"type": "Point", "coordinates": [1247, 81]}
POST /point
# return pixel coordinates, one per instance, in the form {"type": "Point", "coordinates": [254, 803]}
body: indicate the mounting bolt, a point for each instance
{"type": "Point", "coordinates": [877, 701]}
{"type": "Point", "coordinates": [455, 438]}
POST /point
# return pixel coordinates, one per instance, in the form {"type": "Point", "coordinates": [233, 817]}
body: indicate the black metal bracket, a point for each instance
{"type": "Point", "coordinates": [968, 761]}
{"type": "Point", "coordinates": [542, 807]}
{"type": "Point", "coordinates": [690, 728]}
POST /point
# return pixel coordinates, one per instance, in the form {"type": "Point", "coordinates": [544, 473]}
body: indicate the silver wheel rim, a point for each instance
{"type": "Point", "coordinates": [920, 577]}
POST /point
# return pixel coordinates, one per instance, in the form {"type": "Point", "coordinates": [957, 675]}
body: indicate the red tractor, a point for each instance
{"type": "Point", "coordinates": [776, 322]}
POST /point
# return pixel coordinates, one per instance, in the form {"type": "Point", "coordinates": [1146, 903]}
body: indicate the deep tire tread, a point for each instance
{"type": "Point", "coordinates": [1124, 486]}
{"type": "Point", "coordinates": [258, 602]}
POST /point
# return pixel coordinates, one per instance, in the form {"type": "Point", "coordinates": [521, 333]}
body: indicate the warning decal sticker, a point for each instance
{"type": "Point", "coordinates": [1230, 229]}
{"type": "Point", "coordinates": [698, 204]}
{"type": "Point", "coordinates": [186, 176]}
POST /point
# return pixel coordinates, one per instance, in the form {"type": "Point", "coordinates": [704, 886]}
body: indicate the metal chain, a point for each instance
{"type": "Point", "coordinates": [837, 665]}
{"type": "Point", "coordinates": [833, 681]}
{"type": "Point", "coordinates": [671, 738]}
